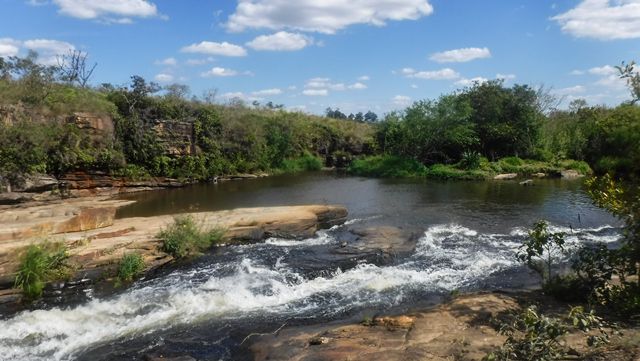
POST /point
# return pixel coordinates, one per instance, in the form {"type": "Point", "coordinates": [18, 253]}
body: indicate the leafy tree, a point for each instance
{"type": "Point", "coordinates": [632, 76]}
{"type": "Point", "coordinates": [541, 246]}
{"type": "Point", "coordinates": [370, 117]}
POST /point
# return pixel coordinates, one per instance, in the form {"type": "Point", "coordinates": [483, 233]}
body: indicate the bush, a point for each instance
{"type": "Point", "coordinates": [185, 238]}
{"type": "Point", "coordinates": [441, 171]}
{"type": "Point", "coordinates": [537, 250]}
{"type": "Point", "coordinates": [130, 266]}
{"type": "Point", "coordinates": [387, 166]}
{"type": "Point", "coordinates": [40, 264]}
{"type": "Point", "coordinates": [470, 160]}
{"type": "Point", "coordinates": [307, 162]}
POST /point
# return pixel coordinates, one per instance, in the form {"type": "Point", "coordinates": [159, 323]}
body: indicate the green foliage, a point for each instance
{"type": "Point", "coordinates": [532, 336]}
{"type": "Point", "coordinates": [185, 238]}
{"type": "Point", "coordinates": [470, 160]}
{"type": "Point", "coordinates": [537, 250]}
{"type": "Point", "coordinates": [40, 264]}
{"type": "Point", "coordinates": [131, 265]}
{"type": "Point", "coordinates": [306, 162]}
{"type": "Point", "coordinates": [387, 166]}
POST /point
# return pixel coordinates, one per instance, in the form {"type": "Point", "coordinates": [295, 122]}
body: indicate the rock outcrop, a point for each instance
{"type": "Point", "coordinates": [97, 241]}
{"type": "Point", "coordinates": [506, 176]}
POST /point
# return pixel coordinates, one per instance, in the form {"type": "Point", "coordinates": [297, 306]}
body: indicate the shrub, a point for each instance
{"type": "Point", "coordinates": [537, 250]}
{"type": "Point", "coordinates": [534, 336]}
{"type": "Point", "coordinates": [441, 171]}
{"type": "Point", "coordinates": [470, 160]}
{"type": "Point", "coordinates": [387, 166]}
{"type": "Point", "coordinates": [307, 162]}
{"type": "Point", "coordinates": [130, 266]}
{"type": "Point", "coordinates": [40, 264]}
{"type": "Point", "coordinates": [184, 237]}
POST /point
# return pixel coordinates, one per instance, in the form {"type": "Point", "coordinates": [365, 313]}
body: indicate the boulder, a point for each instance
{"type": "Point", "coordinates": [528, 182]}
{"type": "Point", "coordinates": [384, 243]}
{"type": "Point", "coordinates": [37, 183]}
{"type": "Point", "coordinates": [539, 175]}
{"type": "Point", "coordinates": [506, 176]}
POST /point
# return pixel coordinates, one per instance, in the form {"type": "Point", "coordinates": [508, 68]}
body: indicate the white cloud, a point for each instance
{"type": "Point", "coordinates": [358, 86]}
{"type": "Point", "coordinates": [315, 92]}
{"type": "Point", "coordinates": [219, 72]}
{"type": "Point", "coordinates": [364, 78]}
{"type": "Point", "coordinates": [164, 78]}
{"type": "Point", "coordinates": [324, 83]}
{"type": "Point", "coordinates": [505, 77]}
{"type": "Point", "coordinates": [603, 70]}
{"type": "Point", "coordinates": [577, 72]}
{"type": "Point", "coordinates": [9, 47]}
{"type": "Point", "coordinates": [280, 41]}
{"type": "Point", "coordinates": [117, 11]}
{"type": "Point", "coordinates": [322, 16]}
{"type": "Point", "coordinates": [414, 86]}
{"type": "Point", "coordinates": [461, 55]}
{"type": "Point", "coordinates": [602, 19]}
{"type": "Point", "coordinates": [442, 74]}
{"type": "Point", "coordinates": [267, 92]}
{"type": "Point", "coordinates": [233, 95]}
{"type": "Point", "coordinates": [195, 62]}
{"type": "Point", "coordinates": [472, 81]}
{"type": "Point", "coordinates": [167, 62]}
{"type": "Point", "coordinates": [48, 50]}
{"type": "Point", "coordinates": [213, 48]}
{"type": "Point", "coordinates": [401, 100]}
{"type": "Point", "coordinates": [578, 89]}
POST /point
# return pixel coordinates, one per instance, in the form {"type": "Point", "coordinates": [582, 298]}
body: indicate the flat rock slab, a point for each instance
{"type": "Point", "coordinates": [384, 242]}
{"type": "Point", "coordinates": [459, 330]}
{"type": "Point", "coordinates": [97, 241]}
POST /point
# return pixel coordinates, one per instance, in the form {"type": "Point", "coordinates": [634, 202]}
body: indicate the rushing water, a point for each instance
{"type": "Point", "coordinates": [469, 233]}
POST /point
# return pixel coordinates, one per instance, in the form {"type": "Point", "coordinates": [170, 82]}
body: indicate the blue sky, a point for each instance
{"type": "Point", "coordinates": [355, 55]}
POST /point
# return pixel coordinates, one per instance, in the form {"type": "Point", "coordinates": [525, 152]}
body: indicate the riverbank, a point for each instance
{"type": "Point", "coordinates": [388, 166]}
{"type": "Point", "coordinates": [465, 328]}
{"type": "Point", "coordinates": [96, 241]}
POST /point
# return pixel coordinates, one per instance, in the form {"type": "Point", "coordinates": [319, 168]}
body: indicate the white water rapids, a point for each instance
{"type": "Point", "coordinates": [447, 257]}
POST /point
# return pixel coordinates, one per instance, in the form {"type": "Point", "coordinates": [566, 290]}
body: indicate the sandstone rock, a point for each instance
{"type": "Point", "coordinates": [37, 183]}
{"type": "Point", "coordinates": [539, 175]}
{"type": "Point", "coordinates": [506, 176]}
{"type": "Point", "coordinates": [528, 182]}
{"type": "Point", "coordinates": [93, 124]}
{"type": "Point", "coordinates": [571, 174]}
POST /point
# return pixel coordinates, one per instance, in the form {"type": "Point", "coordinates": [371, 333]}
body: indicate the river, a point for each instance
{"type": "Point", "coordinates": [468, 234]}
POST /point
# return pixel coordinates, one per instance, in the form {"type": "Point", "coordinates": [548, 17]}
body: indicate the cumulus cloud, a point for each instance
{"type": "Point", "coordinates": [116, 11]}
{"type": "Point", "coordinates": [461, 55]}
{"type": "Point", "coordinates": [315, 92]}
{"type": "Point", "coordinates": [323, 16]}
{"type": "Point", "coordinates": [48, 50]}
{"type": "Point", "coordinates": [442, 74]}
{"type": "Point", "coordinates": [472, 81]}
{"type": "Point", "coordinates": [578, 89]}
{"type": "Point", "coordinates": [401, 100]}
{"type": "Point", "coordinates": [267, 92]}
{"type": "Point", "coordinates": [505, 77]}
{"type": "Point", "coordinates": [217, 71]}
{"type": "Point", "coordinates": [280, 41]}
{"type": "Point", "coordinates": [602, 19]}
{"type": "Point", "coordinates": [364, 78]}
{"type": "Point", "coordinates": [603, 70]}
{"type": "Point", "coordinates": [9, 47]}
{"type": "Point", "coordinates": [358, 86]}
{"type": "Point", "coordinates": [167, 62]}
{"type": "Point", "coordinates": [163, 78]}
{"type": "Point", "coordinates": [213, 48]}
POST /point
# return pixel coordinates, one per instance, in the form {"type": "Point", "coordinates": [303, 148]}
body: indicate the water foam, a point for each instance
{"type": "Point", "coordinates": [447, 257]}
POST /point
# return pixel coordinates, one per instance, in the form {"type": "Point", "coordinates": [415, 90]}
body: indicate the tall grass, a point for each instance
{"type": "Point", "coordinates": [40, 264]}
{"type": "Point", "coordinates": [184, 237]}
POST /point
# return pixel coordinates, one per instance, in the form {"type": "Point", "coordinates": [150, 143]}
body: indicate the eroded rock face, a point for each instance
{"type": "Point", "coordinates": [571, 174]}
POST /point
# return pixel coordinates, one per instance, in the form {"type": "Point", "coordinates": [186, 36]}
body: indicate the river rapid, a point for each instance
{"type": "Point", "coordinates": [467, 236]}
